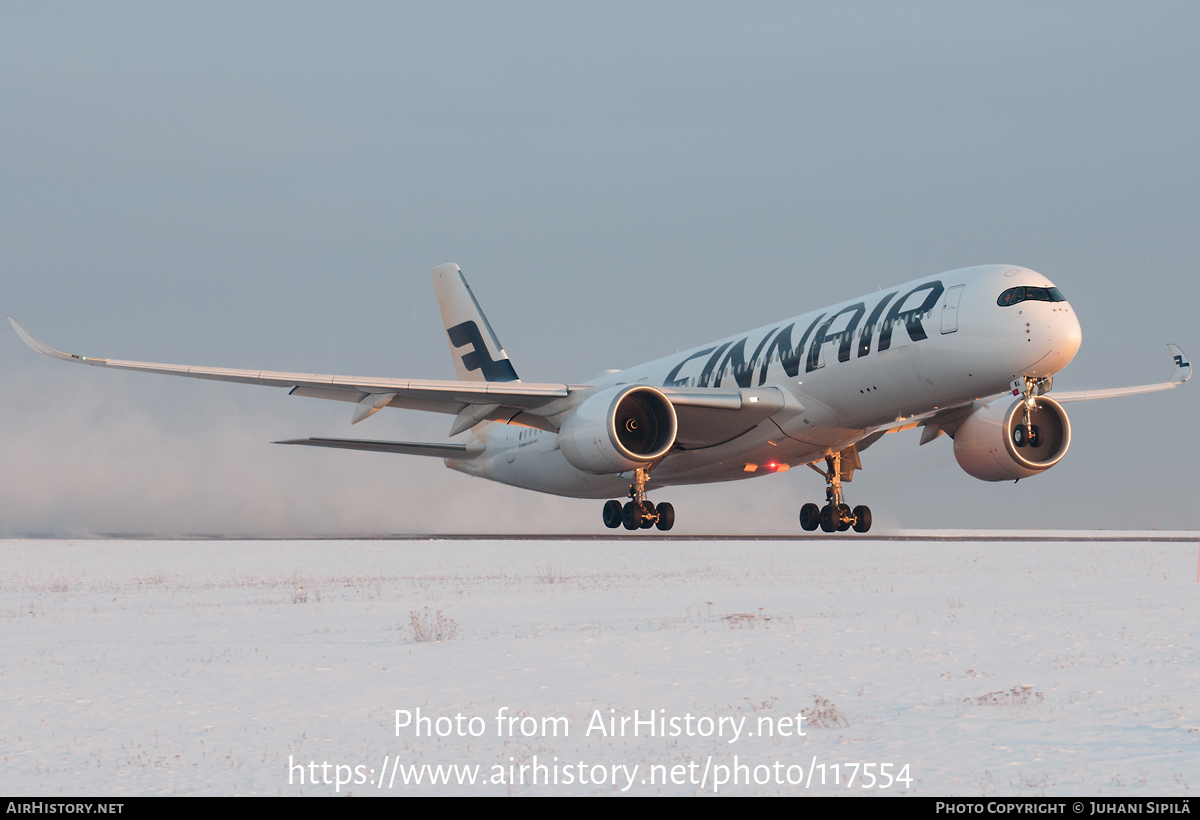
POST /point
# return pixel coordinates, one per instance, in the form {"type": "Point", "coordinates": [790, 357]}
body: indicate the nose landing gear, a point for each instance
{"type": "Point", "coordinates": [1029, 388]}
{"type": "Point", "coordinates": [836, 515]}
{"type": "Point", "coordinates": [638, 512]}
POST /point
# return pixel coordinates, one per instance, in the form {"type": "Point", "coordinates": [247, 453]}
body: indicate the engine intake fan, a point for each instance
{"type": "Point", "coordinates": [993, 443]}
{"type": "Point", "coordinates": [619, 429]}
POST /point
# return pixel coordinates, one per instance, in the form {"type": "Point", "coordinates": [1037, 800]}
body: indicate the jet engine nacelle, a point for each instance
{"type": "Point", "coordinates": [618, 429]}
{"type": "Point", "coordinates": [991, 443]}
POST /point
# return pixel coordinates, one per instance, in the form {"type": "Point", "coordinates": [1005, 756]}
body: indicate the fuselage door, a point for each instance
{"type": "Point", "coordinates": [950, 309]}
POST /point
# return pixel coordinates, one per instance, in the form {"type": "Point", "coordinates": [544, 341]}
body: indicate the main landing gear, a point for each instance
{"type": "Point", "coordinates": [638, 512]}
{"type": "Point", "coordinates": [836, 515]}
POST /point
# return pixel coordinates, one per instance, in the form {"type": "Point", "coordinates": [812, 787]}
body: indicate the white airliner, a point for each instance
{"type": "Point", "coordinates": [970, 353]}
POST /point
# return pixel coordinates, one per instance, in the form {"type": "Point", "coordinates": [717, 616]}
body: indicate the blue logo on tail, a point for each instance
{"type": "Point", "coordinates": [478, 358]}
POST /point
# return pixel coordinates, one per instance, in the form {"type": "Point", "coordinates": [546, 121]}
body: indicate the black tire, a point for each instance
{"type": "Point", "coordinates": [631, 515]}
{"type": "Point", "coordinates": [862, 518]}
{"type": "Point", "coordinates": [612, 514]}
{"type": "Point", "coordinates": [648, 515]}
{"type": "Point", "coordinates": [1018, 435]}
{"type": "Point", "coordinates": [844, 517]}
{"type": "Point", "coordinates": [810, 517]}
{"type": "Point", "coordinates": [1035, 436]}
{"type": "Point", "coordinates": [828, 519]}
{"type": "Point", "coordinates": [666, 516]}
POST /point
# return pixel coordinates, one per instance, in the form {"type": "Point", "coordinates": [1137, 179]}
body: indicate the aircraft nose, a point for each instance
{"type": "Point", "coordinates": [1066, 335]}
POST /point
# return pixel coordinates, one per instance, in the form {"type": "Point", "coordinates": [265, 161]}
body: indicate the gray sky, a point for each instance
{"type": "Point", "coordinates": [268, 185]}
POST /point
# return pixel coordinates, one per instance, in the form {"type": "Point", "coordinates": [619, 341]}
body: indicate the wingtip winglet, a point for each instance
{"type": "Point", "coordinates": [1183, 368]}
{"type": "Point", "coordinates": [29, 339]}
{"type": "Point", "coordinates": [21, 331]}
{"type": "Point", "coordinates": [45, 349]}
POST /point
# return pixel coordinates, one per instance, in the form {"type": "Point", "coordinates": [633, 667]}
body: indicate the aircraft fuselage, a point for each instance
{"type": "Point", "coordinates": [901, 351]}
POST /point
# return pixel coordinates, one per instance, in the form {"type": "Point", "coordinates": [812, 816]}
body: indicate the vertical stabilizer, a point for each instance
{"type": "Point", "coordinates": [476, 351]}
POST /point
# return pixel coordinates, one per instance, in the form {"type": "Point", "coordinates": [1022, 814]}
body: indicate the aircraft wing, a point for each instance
{"type": "Point", "coordinates": [705, 415]}
{"type": "Point", "coordinates": [1181, 373]}
{"type": "Point", "coordinates": [506, 399]}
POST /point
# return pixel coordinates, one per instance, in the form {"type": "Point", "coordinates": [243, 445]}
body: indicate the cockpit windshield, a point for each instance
{"type": "Point", "coordinates": [1011, 296]}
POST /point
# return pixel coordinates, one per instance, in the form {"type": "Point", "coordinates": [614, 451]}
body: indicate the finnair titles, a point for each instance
{"type": "Point", "coordinates": [970, 353]}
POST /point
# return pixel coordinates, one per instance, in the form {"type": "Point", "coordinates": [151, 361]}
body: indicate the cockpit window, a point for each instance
{"type": "Point", "coordinates": [1021, 294]}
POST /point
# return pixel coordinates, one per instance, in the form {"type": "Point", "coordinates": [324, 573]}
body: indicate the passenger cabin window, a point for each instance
{"type": "Point", "coordinates": [1012, 296]}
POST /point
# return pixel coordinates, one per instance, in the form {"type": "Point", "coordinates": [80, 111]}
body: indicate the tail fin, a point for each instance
{"type": "Point", "coordinates": [474, 347]}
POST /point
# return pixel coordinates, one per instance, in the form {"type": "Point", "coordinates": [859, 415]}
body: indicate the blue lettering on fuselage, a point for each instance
{"type": "Point", "coordinates": [789, 357]}
{"type": "Point", "coordinates": [734, 353]}
{"type": "Point", "coordinates": [864, 342]}
{"type": "Point", "coordinates": [846, 336]}
{"type": "Point", "coordinates": [707, 373]}
{"type": "Point", "coordinates": [735, 358]}
{"type": "Point", "coordinates": [672, 380]}
{"type": "Point", "coordinates": [912, 316]}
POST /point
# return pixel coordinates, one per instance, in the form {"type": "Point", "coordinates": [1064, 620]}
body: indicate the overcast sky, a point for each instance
{"type": "Point", "coordinates": [268, 185]}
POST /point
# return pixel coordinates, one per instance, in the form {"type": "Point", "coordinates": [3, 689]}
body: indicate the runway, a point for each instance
{"type": "Point", "coordinates": [966, 536]}
{"type": "Point", "coordinates": [996, 667]}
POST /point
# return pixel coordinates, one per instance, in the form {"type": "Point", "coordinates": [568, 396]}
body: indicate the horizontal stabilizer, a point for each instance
{"type": "Point", "coordinates": [406, 448]}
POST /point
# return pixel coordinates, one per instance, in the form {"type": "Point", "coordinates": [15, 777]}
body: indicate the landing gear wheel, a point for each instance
{"type": "Point", "coordinates": [631, 515]}
{"type": "Point", "coordinates": [612, 514]}
{"type": "Point", "coordinates": [828, 519]}
{"type": "Point", "coordinates": [666, 516]}
{"type": "Point", "coordinates": [836, 515]}
{"type": "Point", "coordinates": [1019, 437]}
{"type": "Point", "coordinates": [649, 515]}
{"type": "Point", "coordinates": [810, 517]}
{"type": "Point", "coordinates": [862, 518]}
{"type": "Point", "coordinates": [844, 517]}
{"type": "Point", "coordinates": [1035, 436]}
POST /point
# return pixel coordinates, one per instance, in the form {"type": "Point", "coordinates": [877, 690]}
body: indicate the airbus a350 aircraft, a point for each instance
{"type": "Point", "coordinates": [970, 353]}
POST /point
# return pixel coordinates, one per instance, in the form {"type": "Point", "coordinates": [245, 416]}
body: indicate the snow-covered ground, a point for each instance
{"type": "Point", "coordinates": [224, 667]}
